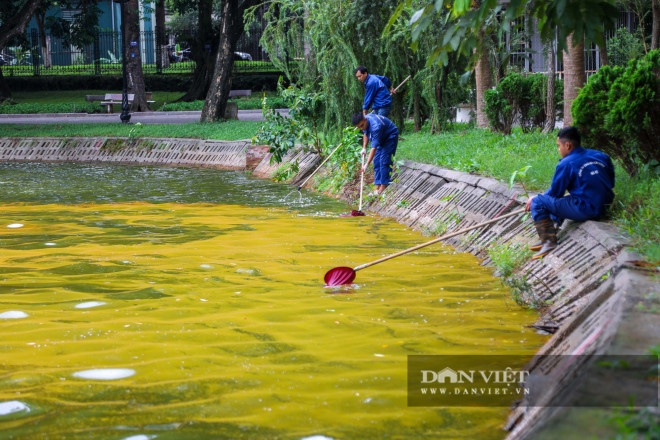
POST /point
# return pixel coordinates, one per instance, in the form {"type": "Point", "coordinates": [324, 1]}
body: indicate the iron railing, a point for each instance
{"type": "Point", "coordinates": [49, 55]}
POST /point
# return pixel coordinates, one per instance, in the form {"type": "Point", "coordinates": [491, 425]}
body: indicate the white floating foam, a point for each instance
{"type": "Point", "coordinates": [13, 406]}
{"type": "Point", "coordinates": [15, 225]}
{"type": "Point", "coordinates": [317, 437]}
{"type": "Point", "coordinates": [89, 304]}
{"type": "Point", "coordinates": [206, 266]}
{"type": "Point", "coordinates": [13, 314]}
{"type": "Point", "coordinates": [139, 437]}
{"type": "Point", "coordinates": [105, 373]}
{"type": "Point", "coordinates": [50, 244]}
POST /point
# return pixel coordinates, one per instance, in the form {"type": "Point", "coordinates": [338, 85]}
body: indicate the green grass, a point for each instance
{"type": "Point", "coordinates": [483, 152]}
{"type": "Point", "coordinates": [229, 131]}
{"type": "Point", "coordinates": [73, 101]}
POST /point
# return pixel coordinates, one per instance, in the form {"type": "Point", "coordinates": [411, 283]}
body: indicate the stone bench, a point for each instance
{"type": "Point", "coordinates": [110, 99]}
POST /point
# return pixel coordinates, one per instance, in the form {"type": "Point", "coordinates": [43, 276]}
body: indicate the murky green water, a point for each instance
{"type": "Point", "coordinates": [189, 304]}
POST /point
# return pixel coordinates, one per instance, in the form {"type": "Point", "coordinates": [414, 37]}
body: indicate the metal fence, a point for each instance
{"type": "Point", "coordinates": [50, 55]}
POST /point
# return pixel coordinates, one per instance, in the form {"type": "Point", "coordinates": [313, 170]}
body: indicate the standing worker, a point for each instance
{"type": "Point", "coordinates": [377, 92]}
{"type": "Point", "coordinates": [587, 175]}
{"type": "Point", "coordinates": [384, 137]}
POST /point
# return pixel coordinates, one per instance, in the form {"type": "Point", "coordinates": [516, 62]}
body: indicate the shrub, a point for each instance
{"type": "Point", "coordinates": [618, 111]}
{"type": "Point", "coordinates": [624, 46]}
{"type": "Point", "coordinates": [519, 99]}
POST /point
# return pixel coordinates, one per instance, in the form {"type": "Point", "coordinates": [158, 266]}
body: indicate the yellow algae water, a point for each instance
{"type": "Point", "coordinates": [210, 320]}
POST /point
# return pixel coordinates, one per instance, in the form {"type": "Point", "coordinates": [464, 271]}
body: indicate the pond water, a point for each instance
{"type": "Point", "coordinates": [170, 303]}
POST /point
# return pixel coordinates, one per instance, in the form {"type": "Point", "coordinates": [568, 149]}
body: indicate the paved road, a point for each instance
{"type": "Point", "coordinates": [144, 118]}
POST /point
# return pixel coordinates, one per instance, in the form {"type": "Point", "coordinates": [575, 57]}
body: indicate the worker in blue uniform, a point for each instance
{"type": "Point", "coordinates": [384, 137]}
{"type": "Point", "coordinates": [377, 93]}
{"type": "Point", "coordinates": [588, 177]}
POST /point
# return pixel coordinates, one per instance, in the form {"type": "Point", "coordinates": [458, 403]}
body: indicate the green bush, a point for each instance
{"type": "Point", "coordinates": [519, 99]}
{"type": "Point", "coordinates": [618, 112]}
{"type": "Point", "coordinates": [624, 46]}
{"type": "Point", "coordinates": [29, 108]}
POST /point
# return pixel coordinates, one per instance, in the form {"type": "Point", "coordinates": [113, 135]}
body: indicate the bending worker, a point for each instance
{"type": "Point", "coordinates": [587, 175]}
{"type": "Point", "coordinates": [377, 92]}
{"type": "Point", "coordinates": [384, 137]}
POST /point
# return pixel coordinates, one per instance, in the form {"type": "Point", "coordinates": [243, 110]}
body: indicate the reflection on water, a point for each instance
{"type": "Point", "coordinates": [154, 316]}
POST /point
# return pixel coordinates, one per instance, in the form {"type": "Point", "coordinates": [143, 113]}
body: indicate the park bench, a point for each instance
{"type": "Point", "coordinates": [239, 93]}
{"type": "Point", "coordinates": [110, 99]}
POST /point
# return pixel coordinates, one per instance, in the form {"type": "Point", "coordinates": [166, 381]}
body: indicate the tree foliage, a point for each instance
{"type": "Point", "coordinates": [618, 111]}
{"type": "Point", "coordinates": [518, 98]}
{"type": "Point", "coordinates": [588, 18]}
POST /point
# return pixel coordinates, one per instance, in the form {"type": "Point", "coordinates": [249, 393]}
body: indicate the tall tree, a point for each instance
{"type": "Point", "coordinates": [231, 16]}
{"type": "Point", "coordinates": [14, 17]}
{"type": "Point", "coordinates": [550, 111]}
{"type": "Point", "coordinates": [574, 74]}
{"type": "Point", "coordinates": [484, 79]}
{"type": "Point", "coordinates": [131, 44]}
{"type": "Point", "coordinates": [203, 47]}
{"type": "Point", "coordinates": [162, 58]}
{"type": "Point", "coordinates": [584, 18]}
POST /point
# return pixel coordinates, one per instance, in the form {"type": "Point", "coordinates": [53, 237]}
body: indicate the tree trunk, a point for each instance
{"type": "Point", "coordinates": [162, 58]}
{"type": "Point", "coordinates": [655, 33]}
{"type": "Point", "coordinates": [602, 52]}
{"type": "Point", "coordinates": [16, 25]}
{"type": "Point", "coordinates": [484, 80]}
{"type": "Point", "coordinates": [45, 55]}
{"type": "Point", "coordinates": [203, 50]}
{"type": "Point", "coordinates": [550, 112]}
{"type": "Point", "coordinates": [134, 58]}
{"type": "Point", "coordinates": [216, 98]}
{"type": "Point", "coordinates": [417, 111]}
{"type": "Point", "coordinates": [574, 75]}
{"type": "Point", "coordinates": [230, 31]}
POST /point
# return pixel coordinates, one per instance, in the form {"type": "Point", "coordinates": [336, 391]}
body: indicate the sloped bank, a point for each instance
{"type": "Point", "coordinates": [591, 289]}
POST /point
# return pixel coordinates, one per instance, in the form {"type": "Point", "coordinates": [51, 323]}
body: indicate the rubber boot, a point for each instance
{"type": "Point", "coordinates": [548, 234]}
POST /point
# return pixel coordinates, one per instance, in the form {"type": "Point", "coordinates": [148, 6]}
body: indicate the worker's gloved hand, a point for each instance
{"type": "Point", "coordinates": [363, 152]}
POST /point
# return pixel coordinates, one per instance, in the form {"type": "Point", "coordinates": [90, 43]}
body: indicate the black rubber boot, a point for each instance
{"type": "Point", "coordinates": [548, 234]}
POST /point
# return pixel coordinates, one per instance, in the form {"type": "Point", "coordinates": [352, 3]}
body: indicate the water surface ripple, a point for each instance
{"type": "Point", "coordinates": [170, 303]}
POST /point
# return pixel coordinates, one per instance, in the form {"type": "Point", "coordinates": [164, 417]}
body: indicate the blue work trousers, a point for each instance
{"type": "Point", "coordinates": [383, 111]}
{"type": "Point", "coordinates": [558, 209]}
{"type": "Point", "coordinates": [383, 161]}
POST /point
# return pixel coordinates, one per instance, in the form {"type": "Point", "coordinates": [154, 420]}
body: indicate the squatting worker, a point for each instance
{"type": "Point", "coordinates": [587, 175]}
{"type": "Point", "coordinates": [384, 137]}
{"type": "Point", "coordinates": [377, 91]}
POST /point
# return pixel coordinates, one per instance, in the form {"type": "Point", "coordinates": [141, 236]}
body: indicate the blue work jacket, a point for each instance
{"type": "Point", "coordinates": [588, 175]}
{"type": "Point", "coordinates": [377, 91]}
{"type": "Point", "coordinates": [381, 131]}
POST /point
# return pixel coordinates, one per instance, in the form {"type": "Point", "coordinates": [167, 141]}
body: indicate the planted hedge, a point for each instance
{"type": "Point", "coordinates": [618, 112]}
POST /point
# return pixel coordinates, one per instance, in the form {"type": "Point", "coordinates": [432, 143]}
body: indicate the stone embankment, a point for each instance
{"type": "Point", "coordinates": [589, 288]}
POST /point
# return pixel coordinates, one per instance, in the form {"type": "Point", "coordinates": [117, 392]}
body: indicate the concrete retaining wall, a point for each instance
{"type": "Point", "coordinates": [141, 151]}
{"type": "Point", "coordinates": [583, 283]}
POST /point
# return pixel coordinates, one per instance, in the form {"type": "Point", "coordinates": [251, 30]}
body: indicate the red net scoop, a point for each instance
{"type": "Point", "coordinates": [339, 276]}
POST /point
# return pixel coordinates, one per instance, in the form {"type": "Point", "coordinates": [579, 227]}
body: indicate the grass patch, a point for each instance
{"type": "Point", "coordinates": [483, 152]}
{"type": "Point", "coordinates": [73, 101]}
{"type": "Point", "coordinates": [228, 131]}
